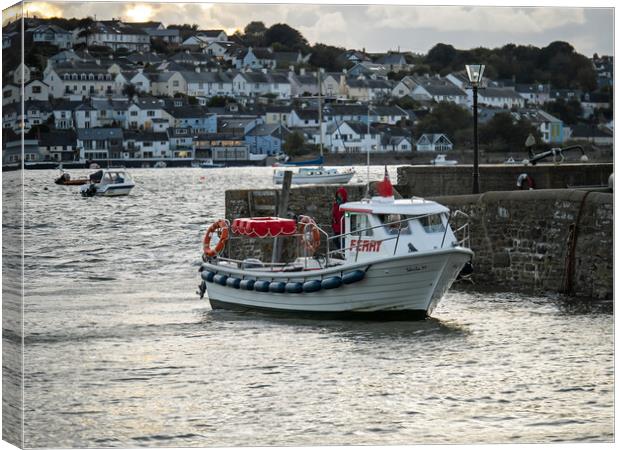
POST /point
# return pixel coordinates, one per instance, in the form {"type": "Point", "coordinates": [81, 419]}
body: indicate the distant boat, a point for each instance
{"type": "Point", "coordinates": [65, 180]}
{"type": "Point", "coordinates": [316, 175]}
{"type": "Point", "coordinates": [209, 164]}
{"type": "Point", "coordinates": [160, 165]}
{"type": "Point", "coordinates": [311, 162]}
{"type": "Point", "coordinates": [440, 160]}
{"type": "Point", "coordinates": [108, 183]}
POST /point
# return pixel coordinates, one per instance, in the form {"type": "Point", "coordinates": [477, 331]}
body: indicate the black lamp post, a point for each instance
{"type": "Point", "coordinates": [474, 73]}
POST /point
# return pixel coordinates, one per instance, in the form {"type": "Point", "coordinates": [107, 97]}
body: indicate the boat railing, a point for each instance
{"type": "Point", "coordinates": [462, 232]}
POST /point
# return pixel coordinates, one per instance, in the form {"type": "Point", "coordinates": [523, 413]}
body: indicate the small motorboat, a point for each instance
{"type": "Point", "coordinates": [160, 165]}
{"type": "Point", "coordinates": [395, 260]}
{"type": "Point", "coordinates": [108, 183]}
{"type": "Point", "coordinates": [440, 160]}
{"type": "Point", "coordinates": [316, 175]}
{"type": "Point", "coordinates": [65, 180]}
{"type": "Point", "coordinates": [209, 164]}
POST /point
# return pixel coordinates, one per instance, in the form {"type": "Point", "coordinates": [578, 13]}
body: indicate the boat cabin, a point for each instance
{"type": "Point", "coordinates": [115, 176]}
{"type": "Point", "coordinates": [383, 227]}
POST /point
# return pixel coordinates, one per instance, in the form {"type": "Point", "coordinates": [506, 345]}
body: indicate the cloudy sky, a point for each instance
{"type": "Point", "coordinates": [376, 27]}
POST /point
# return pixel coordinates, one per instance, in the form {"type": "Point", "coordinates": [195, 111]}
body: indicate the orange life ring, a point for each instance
{"type": "Point", "coordinates": [312, 239]}
{"type": "Point", "coordinates": [221, 227]}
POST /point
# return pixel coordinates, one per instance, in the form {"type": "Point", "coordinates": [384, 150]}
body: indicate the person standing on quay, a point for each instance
{"type": "Point", "coordinates": [341, 197]}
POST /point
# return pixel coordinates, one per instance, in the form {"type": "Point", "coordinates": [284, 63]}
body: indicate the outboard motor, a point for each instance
{"type": "Point", "coordinates": [90, 191]}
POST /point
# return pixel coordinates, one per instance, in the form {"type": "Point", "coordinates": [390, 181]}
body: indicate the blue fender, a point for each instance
{"type": "Point", "coordinates": [207, 275]}
{"type": "Point", "coordinates": [277, 286]}
{"type": "Point", "coordinates": [331, 283]}
{"type": "Point", "coordinates": [261, 286]}
{"type": "Point", "coordinates": [294, 287]}
{"type": "Point", "coordinates": [312, 286]}
{"type": "Point", "coordinates": [247, 285]}
{"type": "Point", "coordinates": [233, 282]}
{"type": "Point", "coordinates": [220, 279]}
{"type": "Point", "coordinates": [354, 276]}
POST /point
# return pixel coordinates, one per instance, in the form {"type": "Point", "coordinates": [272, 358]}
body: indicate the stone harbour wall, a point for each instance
{"type": "Point", "coordinates": [556, 240]}
{"type": "Point", "coordinates": [539, 241]}
{"type": "Point", "coordinates": [426, 181]}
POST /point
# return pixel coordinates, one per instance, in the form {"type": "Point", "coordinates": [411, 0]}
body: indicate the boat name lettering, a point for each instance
{"type": "Point", "coordinates": [416, 268]}
{"type": "Point", "coordinates": [365, 245]}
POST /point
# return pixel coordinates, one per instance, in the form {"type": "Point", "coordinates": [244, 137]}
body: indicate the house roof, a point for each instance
{"type": "Point", "coordinates": [442, 89]}
{"type": "Point", "coordinates": [99, 134]}
{"type": "Point", "coordinates": [66, 137]}
{"type": "Point", "coordinates": [145, 136]}
{"type": "Point", "coordinates": [392, 58]}
{"type": "Point", "coordinates": [269, 130]}
{"type": "Point", "coordinates": [147, 102]}
{"type": "Point", "coordinates": [493, 92]}
{"type": "Point", "coordinates": [434, 137]}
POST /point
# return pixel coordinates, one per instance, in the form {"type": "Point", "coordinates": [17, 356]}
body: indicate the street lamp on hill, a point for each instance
{"type": "Point", "coordinates": [474, 73]}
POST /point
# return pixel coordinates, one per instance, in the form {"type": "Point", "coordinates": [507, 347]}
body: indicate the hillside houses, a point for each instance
{"type": "Point", "coordinates": [204, 96]}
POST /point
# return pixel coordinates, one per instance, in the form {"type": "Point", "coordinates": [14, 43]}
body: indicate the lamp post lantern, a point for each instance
{"type": "Point", "coordinates": [474, 73]}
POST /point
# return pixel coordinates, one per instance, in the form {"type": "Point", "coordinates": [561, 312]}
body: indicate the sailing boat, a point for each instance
{"type": "Point", "coordinates": [316, 175]}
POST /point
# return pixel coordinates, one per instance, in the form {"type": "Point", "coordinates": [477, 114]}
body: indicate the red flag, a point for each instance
{"type": "Point", "coordinates": [384, 188]}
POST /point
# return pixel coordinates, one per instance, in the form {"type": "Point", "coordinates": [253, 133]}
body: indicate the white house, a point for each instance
{"type": "Point", "coordinates": [143, 110]}
{"type": "Point", "coordinates": [439, 91]}
{"type": "Point", "coordinates": [141, 81]}
{"type": "Point", "coordinates": [80, 79]}
{"type": "Point", "coordinates": [434, 143]}
{"type": "Point", "coordinates": [36, 90]}
{"type": "Point", "coordinates": [168, 83]}
{"type": "Point", "coordinates": [254, 84]}
{"type": "Point", "coordinates": [54, 35]}
{"type": "Point", "coordinates": [506, 98]}
{"type": "Point", "coordinates": [208, 84]}
{"type": "Point", "coordinates": [404, 87]}
{"type": "Point", "coordinates": [146, 145]}
{"type": "Point", "coordinates": [350, 137]}
{"type": "Point", "coordinates": [10, 94]}
{"type": "Point", "coordinates": [116, 34]}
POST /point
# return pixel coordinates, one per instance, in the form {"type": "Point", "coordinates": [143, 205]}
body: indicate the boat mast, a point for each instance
{"type": "Point", "coordinates": [320, 114]}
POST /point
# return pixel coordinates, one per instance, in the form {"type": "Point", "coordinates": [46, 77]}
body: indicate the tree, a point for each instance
{"type": "Point", "coordinates": [447, 118]}
{"type": "Point", "coordinates": [503, 133]}
{"type": "Point", "coordinates": [294, 144]}
{"type": "Point", "coordinates": [570, 112]}
{"type": "Point", "coordinates": [289, 38]}
{"type": "Point", "coordinates": [327, 57]}
{"type": "Point", "coordinates": [254, 34]}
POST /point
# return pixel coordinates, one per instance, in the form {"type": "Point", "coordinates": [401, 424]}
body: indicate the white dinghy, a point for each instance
{"type": "Point", "coordinates": [398, 258]}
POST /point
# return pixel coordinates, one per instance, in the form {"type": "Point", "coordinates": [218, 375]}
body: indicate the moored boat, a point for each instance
{"type": "Point", "coordinates": [108, 183]}
{"type": "Point", "coordinates": [65, 180]}
{"type": "Point", "coordinates": [440, 160]}
{"type": "Point", "coordinates": [316, 175]}
{"type": "Point", "coordinates": [395, 259]}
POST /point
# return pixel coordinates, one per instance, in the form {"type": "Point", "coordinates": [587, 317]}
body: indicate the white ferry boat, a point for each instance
{"type": "Point", "coordinates": [396, 260]}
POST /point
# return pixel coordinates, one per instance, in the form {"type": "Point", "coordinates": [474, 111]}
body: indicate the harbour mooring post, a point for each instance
{"type": "Point", "coordinates": [276, 254]}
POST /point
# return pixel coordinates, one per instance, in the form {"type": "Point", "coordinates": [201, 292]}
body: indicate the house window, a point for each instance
{"type": "Point", "coordinates": [150, 113]}
{"type": "Point", "coordinates": [133, 113]}
{"type": "Point", "coordinates": [175, 83]}
{"type": "Point", "coordinates": [36, 89]}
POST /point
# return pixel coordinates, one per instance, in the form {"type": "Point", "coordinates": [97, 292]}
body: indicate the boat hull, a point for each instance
{"type": "Point", "coordinates": [341, 178]}
{"type": "Point", "coordinates": [406, 286]}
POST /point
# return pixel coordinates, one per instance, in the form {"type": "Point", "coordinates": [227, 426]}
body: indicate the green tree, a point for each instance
{"type": "Point", "coordinates": [288, 37]}
{"type": "Point", "coordinates": [294, 144]}
{"type": "Point", "coordinates": [570, 112]}
{"type": "Point", "coordinates": [327, 57]}
{"type": "Point", "coordinates": [447, 118]}
{"type": "Point", "coordinates": [504, 133]}
{"type": "Point", "coordinates": [254, 34]}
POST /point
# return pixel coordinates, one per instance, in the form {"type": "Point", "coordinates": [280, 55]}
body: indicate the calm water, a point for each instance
{"type": "Point", "coordinates": [121, 352]}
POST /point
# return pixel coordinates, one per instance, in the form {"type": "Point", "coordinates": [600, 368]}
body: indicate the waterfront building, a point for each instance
{"type": "Point", "coordinates": [437, 142]}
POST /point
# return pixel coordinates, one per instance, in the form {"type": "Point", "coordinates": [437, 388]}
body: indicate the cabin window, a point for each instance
{"type": "Point", "coordinates": [360, 222]}
{"type": "Point", "coordinates": [432, 223]}
{"type": "Point", "coordinates": [392, 223]}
